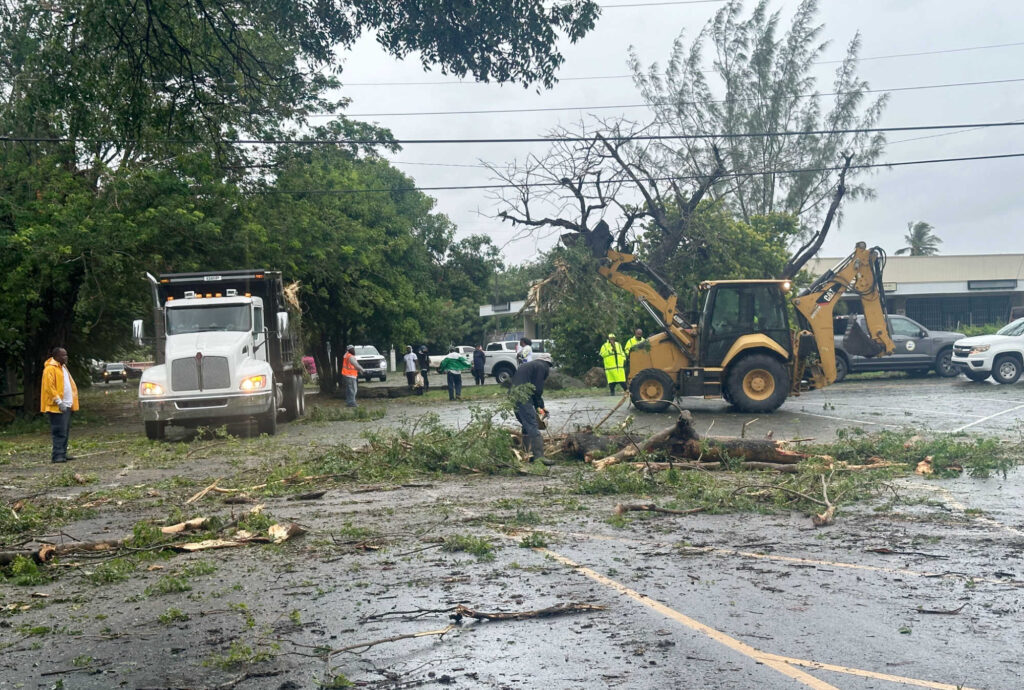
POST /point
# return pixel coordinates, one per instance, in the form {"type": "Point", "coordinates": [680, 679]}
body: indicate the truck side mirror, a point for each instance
{"type": "Point", "coordinates": [282, 323]}
{"type": "Point", "coordinates": [137, 333]}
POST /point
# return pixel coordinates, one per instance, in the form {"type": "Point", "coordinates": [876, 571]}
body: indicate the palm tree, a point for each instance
{"type": "Point", "coordinates": [920, 240]}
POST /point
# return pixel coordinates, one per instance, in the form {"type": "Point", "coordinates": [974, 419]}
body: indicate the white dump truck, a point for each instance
{"type": "Point", "coordinates": [226, 352]}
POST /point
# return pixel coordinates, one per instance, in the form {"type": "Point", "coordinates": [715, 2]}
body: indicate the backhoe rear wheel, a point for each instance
{"type": "Point", "coordinates": [757, 383]}
{"type": "Point", "coordinates": [652, 390]}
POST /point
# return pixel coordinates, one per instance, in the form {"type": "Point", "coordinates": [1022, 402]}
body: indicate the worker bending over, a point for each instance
{"type": "Point", "coordinates": [529, 411]}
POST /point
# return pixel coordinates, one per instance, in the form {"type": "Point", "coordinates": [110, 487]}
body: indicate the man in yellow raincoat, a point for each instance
{"type": "Point", "coordinates": [614, 364]}
{"type": "Point", "coordinates": [58, 398]}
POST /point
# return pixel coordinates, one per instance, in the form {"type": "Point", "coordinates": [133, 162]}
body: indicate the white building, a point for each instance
{"type": "Point", "coordinates": [946, 292]}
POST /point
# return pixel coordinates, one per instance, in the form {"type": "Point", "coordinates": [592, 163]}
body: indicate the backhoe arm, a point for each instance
{"type": "Point", "coordinates": [861, 273]}
{"type": "Point", "coordinates": [660, 301]}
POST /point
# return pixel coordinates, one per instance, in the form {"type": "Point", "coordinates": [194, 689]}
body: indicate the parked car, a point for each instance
{"type": "Point", "coordinates": [372, 361]}
{"type": "Point", "coordinates": [918, 349]}
{"type": "Point", "coordinates": [501, 359]}
{"type": "Point", "coordinates": [133, 372]}
{"type": "Point", "coordinates": [1000, 355]}
{"type": "Point", "coordinates": [114, 371]}
{"type": "Point", "coordinates": [464, 350]}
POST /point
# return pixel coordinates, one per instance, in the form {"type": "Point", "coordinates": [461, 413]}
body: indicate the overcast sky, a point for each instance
{"type": "Point", "coordinates": [974, 206]}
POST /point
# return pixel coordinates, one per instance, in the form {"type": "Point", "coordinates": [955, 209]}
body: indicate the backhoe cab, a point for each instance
{"type": "Point", "coordinates": [744, 348]}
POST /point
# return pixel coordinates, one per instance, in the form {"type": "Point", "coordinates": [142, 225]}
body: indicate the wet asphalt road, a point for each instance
{"type": "Point", "coordinates": [928, 404]}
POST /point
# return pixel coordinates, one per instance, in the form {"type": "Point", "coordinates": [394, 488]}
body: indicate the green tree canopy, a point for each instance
{"type": "Point", "coordinates": [121, 125]}
{"type": "Point", "coordinates": [920, 239]}
{"type": "Point", "coordinates": [757, 80]}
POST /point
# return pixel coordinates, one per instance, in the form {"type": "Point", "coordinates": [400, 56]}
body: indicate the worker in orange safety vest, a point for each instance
{"type": "Point", "coordinates": [350, 371]}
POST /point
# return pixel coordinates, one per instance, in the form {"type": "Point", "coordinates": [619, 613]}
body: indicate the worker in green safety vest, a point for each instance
{"type": "Point", "coordinates": [614, 364]}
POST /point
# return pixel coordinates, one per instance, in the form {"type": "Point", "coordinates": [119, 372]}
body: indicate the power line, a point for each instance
{"type": "Point", "coordinates": [512, 140]}
{"type": "Point", "coordinates": [942, 51]}
{"type": "Point", "coordinates": [922, 87]}
{"type": "Point", "coordinates": [734, 175]}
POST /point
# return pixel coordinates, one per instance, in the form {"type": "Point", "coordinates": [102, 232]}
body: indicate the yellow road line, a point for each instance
{"type": "Point", "coordinates": [783, 664]}
{"type": "Point", "coordinates": [716, 635]}
{"type": "Point", "coordinates": [872, 674]}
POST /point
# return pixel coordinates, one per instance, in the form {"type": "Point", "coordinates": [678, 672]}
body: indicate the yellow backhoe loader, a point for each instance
{"type": "Point", "coordinates": [742, 347]}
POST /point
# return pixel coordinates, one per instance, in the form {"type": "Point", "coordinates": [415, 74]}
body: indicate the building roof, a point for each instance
{"type": "Point", "coordinates": [941, 269]}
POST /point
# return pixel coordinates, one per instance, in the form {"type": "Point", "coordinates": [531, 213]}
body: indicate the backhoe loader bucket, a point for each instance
{"type": "Point", "coordinates": [858, 342]}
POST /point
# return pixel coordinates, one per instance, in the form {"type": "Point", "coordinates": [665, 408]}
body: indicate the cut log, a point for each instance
{"type": "Point", "coordinates": [580, 444]}
{"type": "Point", "coordinates": [712, 466]}
{"type": "Point", "coordinates": [680, 432]}
{"type": "Point", "coordinates": [681, 441]}
{"type": "Point", "coordinates": [724, 448]}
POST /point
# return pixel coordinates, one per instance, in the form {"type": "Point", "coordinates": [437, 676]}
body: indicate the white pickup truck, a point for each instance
{"type": "Point", "coordinates": [1000, 355]}
{"type": "Point", "coordinates": [501, 357]}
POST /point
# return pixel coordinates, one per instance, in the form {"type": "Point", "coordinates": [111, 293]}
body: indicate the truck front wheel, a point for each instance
{"type": "Point", "coordinates": [267, 423]}
{"type": "Point", "coordinates": [1006, 369]}
{"type": "Point", "coordinates": [758, 383]}
{"type": "Point", "coordinates": [155, 430]}
{"type": "Point", "coordinates": [503, 373]}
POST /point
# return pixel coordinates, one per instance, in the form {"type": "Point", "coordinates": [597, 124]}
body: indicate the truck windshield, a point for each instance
{"type": "Point", "coordinates": [232, 317]}
{"type": "Point", "coordinates": [1012, 328]}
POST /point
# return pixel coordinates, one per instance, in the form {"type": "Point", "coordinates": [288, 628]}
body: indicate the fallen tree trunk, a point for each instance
{"type": "Point", "coordinates": [681, 431]}
{"type": "Point", "coordinates": [710, 466]}
{"type": "Point", "coordinates": [681, 441]}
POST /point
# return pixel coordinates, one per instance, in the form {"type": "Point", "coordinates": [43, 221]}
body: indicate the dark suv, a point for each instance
{"type": "Point", "coordinates": [918, 349]}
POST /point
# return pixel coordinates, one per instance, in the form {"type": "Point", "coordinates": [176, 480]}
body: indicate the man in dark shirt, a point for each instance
{"type": "Point", "coordinates": [534, 373]}
{"type": "Point", "coordinates": [479, 364]}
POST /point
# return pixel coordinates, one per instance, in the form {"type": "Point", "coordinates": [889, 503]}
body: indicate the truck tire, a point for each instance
{"type": "Point", "coordinates": [292, 391]}
{"type": "Point", "coordinates": [652, 390]}
{"type": "Point", "coordinates": [976, 376]}
{"type": "Point", "coordinates": [842, 368]}
{"type": "Point", "coordinates": [302, 396]}
{"type": "Point", "coordinates": [1006, 369]}
{"type": "Point", "coordinates": [758, 383]}
{"type": "Point", "coordinates": [155, 430]}
{"type": "Point", "coordinates": [503, 373]}
{"type": "Point", "coordinates": [944, 366]}
{"type": "Point", "coordinates": [266, 423]}
{"type": "Point", "coordinates": [383, 378]}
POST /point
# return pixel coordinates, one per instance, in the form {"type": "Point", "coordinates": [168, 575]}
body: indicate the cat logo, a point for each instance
{"type": "Point", "coordinates": [829, 294]}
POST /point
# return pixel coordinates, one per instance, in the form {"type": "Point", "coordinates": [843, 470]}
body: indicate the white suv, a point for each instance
{"type": "Point", "coordinates": [1000, 356]}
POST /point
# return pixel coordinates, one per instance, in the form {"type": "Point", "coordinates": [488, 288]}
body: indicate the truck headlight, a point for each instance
{"type": "Point", "coordinates": [148, 388]}
{"type": "Point", "coordinates": [979, 349]}
{"type": "Point", "coordinates": [253, 383]}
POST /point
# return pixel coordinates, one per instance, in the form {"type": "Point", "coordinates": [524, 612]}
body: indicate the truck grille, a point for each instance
{"type": "Point", "coordinates": [185, 375]}
{"type": "Point", "coordinates": [961, 351]}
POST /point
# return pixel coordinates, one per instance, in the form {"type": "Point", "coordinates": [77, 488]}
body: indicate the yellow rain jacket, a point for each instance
{"type": "Point", "coordinates": [614, 362]}
{"type": "Point", "coordinates": [633, 342]}
{"type": "Point", "coordinates": [53, 387]}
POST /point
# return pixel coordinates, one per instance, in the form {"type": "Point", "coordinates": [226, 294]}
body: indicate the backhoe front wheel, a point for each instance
{"type": "Point", "coordinates": [652, 390]}
{"type": "Point", "coordinates": [757, 383]}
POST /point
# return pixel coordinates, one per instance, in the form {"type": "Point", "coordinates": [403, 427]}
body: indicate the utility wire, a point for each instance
{"type": "Point", "coordinates": [514, 140]}
{"type": "Point", "coordinates": [922, 87]}
{"type": "Point", "coordinates": [892, 56]}
{"type": "Point", "coordinates": [734, 175]}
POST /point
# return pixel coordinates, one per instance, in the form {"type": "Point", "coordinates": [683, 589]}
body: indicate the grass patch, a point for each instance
{"type": "Point", "coordinates": [533, 540]}
{"type": "Point", "coordinates": [238, 655]}
{"type": "Point", "coordinates": [978, 456]}
{"type": "Point", "coordinates": [168, 584]}
{"type": "Point", "coordinates": [114, 570]}
{"type": "Point", "coordinates": [342, 414]}
{"type": "Point", "coordinates": [172, 615]}
{"type": "Point", "coordinates": [477, 546]}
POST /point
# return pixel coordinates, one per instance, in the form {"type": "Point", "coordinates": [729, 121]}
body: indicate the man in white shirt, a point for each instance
{"type": "Point", "coordinates": [412, 366]}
